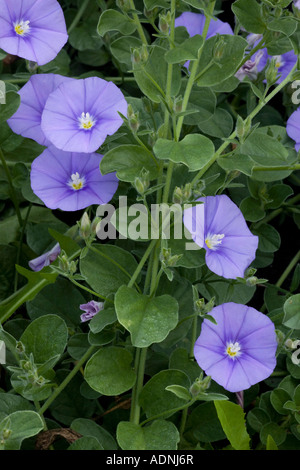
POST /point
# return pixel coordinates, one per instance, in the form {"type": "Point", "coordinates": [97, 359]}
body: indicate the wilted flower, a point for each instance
{"type": "Point", "coordinates": [39, 263]}
{"type": "Point", "coordinates": [239, 350]}
{"type": "Point", "coordinates": [219, 227]}
{"type": "Point", "coordinates": [90, 309]}
{"type": "Point", "coordinates": [32, 29]}
{"type": "Point", "coordinates": [71, 181]}
{"type": "Point", "coordinates": [249, 69]}
{"type": "Point", "coordinates": [27, 119]}
{"type": "Point", "coordinates": [293, 128]}
{"type": "Point", "coordinates": [80, 114]}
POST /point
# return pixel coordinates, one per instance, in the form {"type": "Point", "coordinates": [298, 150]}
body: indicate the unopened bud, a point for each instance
{"type": "Point", "coordinates": [177, 106]}
{"type": "Point", "coordinates": [124, 5]}
{"type": "Point", "coordinates": [142, 182]}
{"type": "Point", "coordinates": [165, 22]}
{"type": "Point", "coordinates": [85, 226]}
{"type": "Point", "coordinates": [200, 385]}
{"type": "Point", "coordinates": [272, 72]}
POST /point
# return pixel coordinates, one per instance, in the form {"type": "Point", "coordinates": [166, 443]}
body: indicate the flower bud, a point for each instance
{"type": "Point", "coordinates": [200, 385]}
{"type": "Point", "coordinates": [165, 22]}
{"type": "Point", "coordinates": [142, 182]}
{"type": "Point", "coordinates": [85, 226]}
{"type": "Point", "coordinates": [272, 72]}
{"type": "Point", "coordinates": [124, 5]}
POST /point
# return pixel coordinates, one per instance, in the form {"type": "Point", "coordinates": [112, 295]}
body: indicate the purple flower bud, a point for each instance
{"type": "Point", "coordinates": [40, 262]}
{"type": "Point", "coordinates": [90, 309]}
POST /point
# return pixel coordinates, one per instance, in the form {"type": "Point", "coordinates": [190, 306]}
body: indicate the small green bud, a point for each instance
{"type": "Point", "coordinates": [20, 348]}
{"type": "Point", "coordinates": [85, 226]}
{"type": "Point", "coordinates": [142, 182]}
{"type": "Point", "coordinates": [200, 385]}
{"type": "Point", "coordinates": [272, 72]}
{"type": "Point", "coordinates": [252, 281]}
{"type": "Point", "coordinates": [6, 433]}
{"type": "Point", "coordinates": [165, 22]}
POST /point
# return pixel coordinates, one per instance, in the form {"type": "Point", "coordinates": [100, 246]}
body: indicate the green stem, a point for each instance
{"type": "Point", "coordinates": [78, 16]}
{"type": "Point", "coordinates": [258, 108]}
{"type": "Point", "coordinates": [141, 263]}
{"type": "Point", "coordinates": [20, 245]}
{"type": "Point", "coordinates": [138, 24]}
{"type": "Point", "coordinates": [141, 361]}
{"type": "Point", "coordinates": [13, 194]}
{"type": "Point", "coordinates": [65, 382]}
{"type": "Point", "coordinates": [288, 269]}
{"type": "Point", "coordinates": [81, 286]}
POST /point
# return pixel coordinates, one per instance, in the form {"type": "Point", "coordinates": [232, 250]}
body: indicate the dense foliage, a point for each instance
{"type": "Point", "coordinates": [117, 334]}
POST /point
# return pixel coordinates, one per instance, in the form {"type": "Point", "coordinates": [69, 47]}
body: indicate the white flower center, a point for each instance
{"type": "Point", "coordinates": [86, 121]}
{"type": "Point", "coordinates": [233, 349]}
{"type": "Point", "coordinates": [279, 62]}
{"type": "Point", "coordinates": [22, 27]}
{"type": "Point", "coordinates": [76, 182]}
{"type": "Point", "coordinates": [214, 240]}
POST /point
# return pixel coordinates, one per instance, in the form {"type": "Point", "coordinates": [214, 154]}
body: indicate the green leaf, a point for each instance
{"type": "Point", "coordinates": [128, 161]}
{"type": "Point", "coordinates": [269, 238]}
{"type": "Point", "coordinates": [85, 443]}
{"type": "Point", "coordinates": [285, 25]}
{"type": "Point", "coordinates": [219, 125]}
{"type": "Point", "coordinates": [238, 161]}
{"type": "Point", "coordinates": [212, 73]}
{"type": "Point", "coordinates": [62, 297]}
{"type": "Point", "coordinates": [45, 338]}
{"type": "Point", "coordinates": [257, 418]}
{"type": "Point", "coordinates": [232, 419]}
{"type": "Point", "coordinates": [277, 433]}
{"type": "Point", "coordinates": [102, 319]}
{"type": "Point", "coordinates": [113, 20]}
{"type": "Point", "coordinates": [151, 77]}
{"type": "Point", "coordinates": [264, 149]}
{"type": "Point", "coordinates": [19, 426]}
{"type": "Point", "coordinates": [9, 403]}
{"type": "Point", "coordinates": [109, 371]}
{"type": "Point", "coordinates": [121, 48]}
{"type": "Point", "coordinates": [87, 427]}
{"type": "Point", "coordinates": [278, 398]}
{"type": "Point", "coordinates": [194, 151]}
{"type": "Point", "coordinates": [12, 103]}
{"type": "Point", "coordinates": [203, 424]}
{"type": "Point", "coordinates": [188, 50]}
{"type": "Point", "coordinates": [271, 444]}
{"type": "Point", "coordinates": [107, 267]}
{"type": "Point", "coordinates": [204, 102]}
{"type": "Point", "coordinates": [158, 435]}
{"type": "Point", "coordinates": [249, 14]}
{"type": "Point", "coordinates": [149, 320]}
{"type": "Point", "coordinates": [252, 209]}
{"type": "Point", "coordinates": [179, 391]}
{"type": "Point", "coordinates": [154, 397]}
{"type": "Point", "coordinates": [83, 37]}
{"type": "Point", "coordinates": [291, 308]}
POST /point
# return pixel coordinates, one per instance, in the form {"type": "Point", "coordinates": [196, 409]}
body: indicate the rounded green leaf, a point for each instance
{"type": "Point", "coordinates": [18, 426]}
{"type": "Point", "coordinates": [109, 371]}
{"type": "Point", "coordinates": [154, 397]}
{"type": "Point", "coordinates": [45, 338]}
{"type": "Point", "coordinates": [275, 431]}
{"type": "Point", "coordinates": [128, 161]}
{"type": "Point", "coordinates": [291, 308]}
{"type": "Point", "coordinates": [149, 320]}
{"type": "Point", "coordinates": [107, 267]}
{"type": "Point", "coordinates": [113, 20]}
{"type": "Point", "coordinates": [194, 150]}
